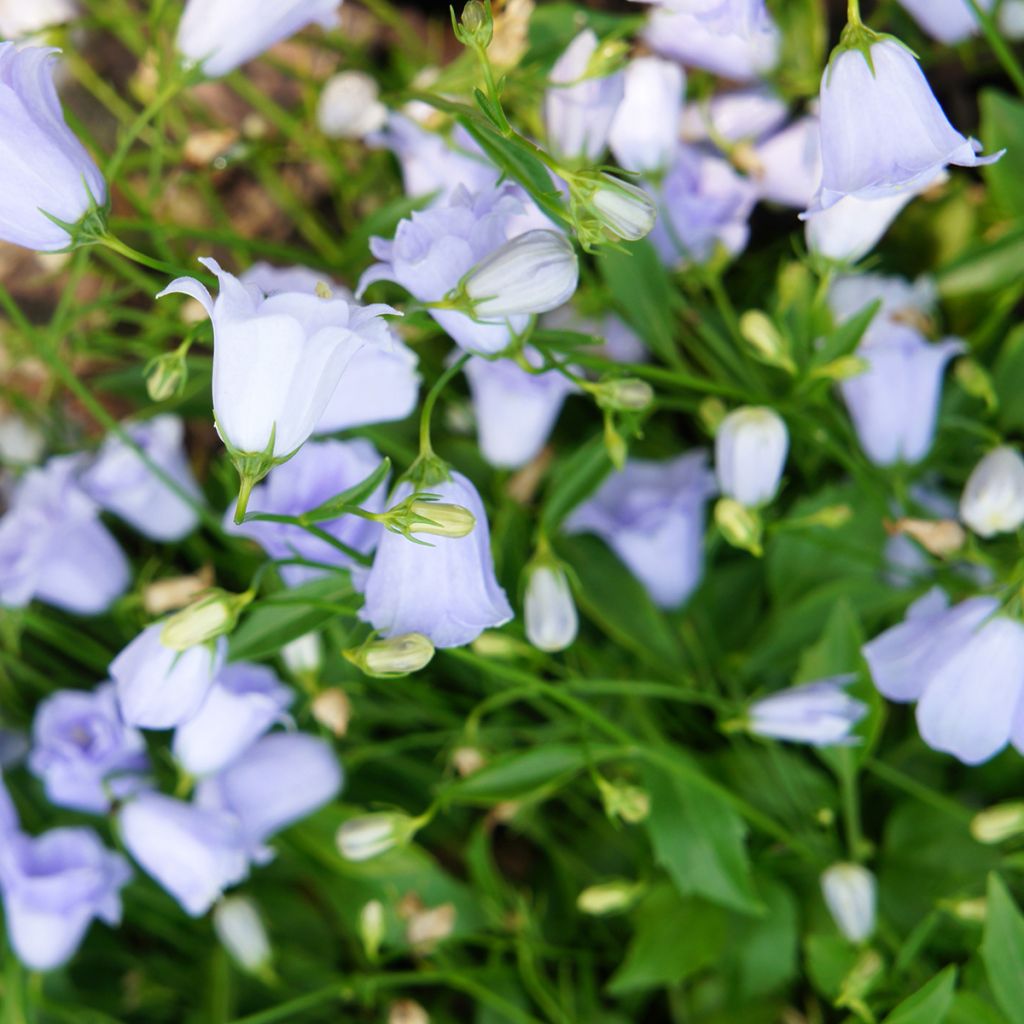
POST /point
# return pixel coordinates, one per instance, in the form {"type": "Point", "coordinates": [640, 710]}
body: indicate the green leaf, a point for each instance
{"type": "Point", "coordinates": [700, 841]}
{"type": "Point", "coordinates": [970, 1008]}
{"type": "Point", "coordinates": [575, 477]}
{"type": "Point", "coordinates": [766, 948]}
{"type": "Point", "coordinates": [830, 958]}
{"type": "Point", "coordinates": [355, 495]}
{"type": "Point", "coordinates": [1008, 377]}
{"type": "Point", "coordinates": [1002, 127]}
{"type": "Point", "coordinates": [985, 268]}
{"type": "Point", "coordinates": [930, 1004]}
{"type": "Point", "coordinates": [846, 337]}
{"type": "Point", "coordinates": [1002, 949]}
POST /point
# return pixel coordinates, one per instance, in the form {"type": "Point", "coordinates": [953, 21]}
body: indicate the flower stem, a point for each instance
{"type": "Point", "coordinates": [123, 249]}
{"type": "Point", "coordinates": [426, 449]}
{"type": "Point", "coordinates": [1004, 54]}
{"type": "Point", "coordinates": [853, 12]}
{"type": "Point", "coordinates": [246, 483]}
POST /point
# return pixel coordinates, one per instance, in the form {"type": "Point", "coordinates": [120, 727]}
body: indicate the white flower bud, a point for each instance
{"type": "Point", "coordinates": [395, 656]}
{"type": "Point", "coordinates": [304, 655]}
{"type": "Point", "coordinates": [407, 1011]}
{"type": "Point", "coordinates": [241, 932]}
{"type": "Point", "coordinates": [551, 619]}
{"type": "Point", "coordinates": [441, 519]}
{"type": "Point", "coordinates": [993, 500]}
{"type": "Point", "coordinates": [999, 823]}
{"type": "Point", "coordinates": [608, 897]}
{"type": "Point", "coordinates": [849, 891]}
{"type": "Point", "coordinates": [370, 835]}
{"type": "Point", "coordinates": [371, 927]}
{"type": "Point", "coordinates": [350, 106]}
{"type": "Point", "coordinates": [20, 443]}
{"type": "Point", "coordinates": [213, 615]}
{"type": "Point", "coordinates": [333, 710]}
{"type": "Point", "coordinates": [533, 273]}
{"type": "Point", "coordinates": [750, 453]}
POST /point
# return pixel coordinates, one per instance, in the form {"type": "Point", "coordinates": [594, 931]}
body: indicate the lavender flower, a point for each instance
{"type": "Point", "coordinates": [949, 21]}
{"type": "Point", "coordinates": [821, 714]}
{"type": "Point", "coordinates": [19, 20]}
{"type": "Point", "coordinates": [750, 454]}
{"type": "Point", "coordinates": [850, 893]}
{"type": "Point", "coordinates": [645, 128]}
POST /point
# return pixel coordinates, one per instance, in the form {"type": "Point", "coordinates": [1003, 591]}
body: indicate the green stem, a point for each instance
{"type": "Point", "coordinates": [426, 449]}
{"type": "Point", "coordinates": [853, 12]}
{"type": "Point", "coordinates": [109, 241]}
{"type": "Point", "coordinates": [139, 124]}
{"type": "Point", "coordinates": [1005, 56]}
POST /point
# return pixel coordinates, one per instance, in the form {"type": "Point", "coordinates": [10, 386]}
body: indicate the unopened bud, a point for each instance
{"type": "Point", "coordinates": [761, 334]}
{"type": "Point", "coordinates": [608, 897]}
{"type": "Point", "coordinates": [628, 394]}
{"type": "Point", "coordinates": [211, 616]}
{"type": "Point", "coordinates": [476, 25]}
{"type": "Point", "coordinates": [441, 519]}
{"type": "Point", "coordinates": [350, 106]}
{"type": "Point", "coordinates": [843, 368]}
{"type": "Point", "coordinates": [407, 1011]}
{"type": "Point", "coordinates": [850, 894]}
{"type": "Point", "coordinates": [303, 656]}
{"type": "Point", "coordinates": [370, 835]}
{"type": "Point", "coordinates": [623, 210]}
{"type": "Point", "coordinates": [615, 444]}
{"type": "Point", "coordinates": [999, 823]}
{"type": "Point", "coordinates": [712, 412]}
{"type": "Point", "coordinates": [549, 609]}
{"type": "Point", "coordinates": [492, 644]}
{"type": "Point", "coordinates": [977, 382]}
{"type": "Point", "coordinates": [241, 932]}
{"type": "Point", "coordinates": [621, 800]}
{"type": "Point", "coordinates": [860, 981]}
{"type": "Point", "coordinates": [166, 376]}
{"type": "Point", "coordinates": [333, 710]}
{"type": "Point", "coordinates": [468, 760]}
{"type": "Point", "coordinates": [974, 911]}
{"type": "Point", "coordinates": [428, 927]}
{"type": "Point", "coordinates": [739, 525]}
{"type": "Point", "coordinates": [993, 500]}
{"type": "Point", "coordinates": [832, 517]}
{"type": "Point", "coordinates": [371, 927]}
{"type": "Point", "coordinates": [397, 656]}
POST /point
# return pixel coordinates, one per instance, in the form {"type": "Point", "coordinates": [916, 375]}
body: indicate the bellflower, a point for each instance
{"type": "Point", "coordinates": [733, 38]}
{"type": "Point", "coordinates": [350, 106]}
{"type": "Point", "coordinates": [159, 687]}
{"type": "Point", "coordinates": [120, 481]}
{"type": "Point", "coordinates": [738, 115]}
{"type": "Point", "coordinates": [948, 21]}
{"type": "Point", "coordinates": [53, 886]}
{"type": "Point", "coordinates": [53, 546]}
{"type": "Point", "coordinates": [550, 612]}
{"type": "Point", "coordinates": [19, 20]}
{"type": "Point", "coordinates": [515, 410]}
{"type": "Point", "coordinates": [788, 164]}
{"type": "Point", "coordinates": [434, 249]}
{"type": "Point", "coordinates": [380, 383]}
{"type": "Point", "coordinates": [447, 591]}
{"type": "Point", "coordinates": [900, 300]}
{"type": "Point", "coordinates": [221, 35]}
{"type": "Point", "coordinates": [750, 454]}
{"type": "Point", "coordinates": [993, 500]}
{"type": "Point", "coordinates": [645, 129]}
{"type": "Point", "coordinates": [848, 231]}
{"type": "Point", "coordinates": [895, 402]}
{"type": "Point", "coordinates": [321, 470]}
{"type": "Point", "coordinates": [850, 893]}
{"type": "Point", "coordinates": [193, 852]}
{"type": "Point", "coordinates": [277, 360]}
{"type": "Point", "coordinates": [703, 202]}
{"type": "Point", "coordinates": [821, 714]}
{"type": "Point", "coordinates": [651, 514]}
{"type": "Point", "coordinates": [279, 780]}
{"type": "Point", "coordinates": [61, 179]}
{"type": "Point", "coordinates": [82, 751]}
{"type": "Point", "coordinates": [579, 106]}
{"type": "Point", "coordinates": [241, 932]}
{"type": "Point", "coordinates": [243, 703]}
{"type": "Point", "coordinates": [883, 132]}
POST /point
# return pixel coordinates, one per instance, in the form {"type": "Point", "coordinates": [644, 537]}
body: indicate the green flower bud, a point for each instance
{"type": "Point", "coordinates": [371, 835]}
{"type": "Point", "coordinates": [741, 526]}
{"type": "Point", "coordinates": [397, 656]}
{"type": "Point", "coordinates": [166, 376]}
{"type": "Point", "coordinates": [627, 394]}
{"type": "Point", "coordinates": [608, 897]}
{"type": "Point", "coordinates": [211, 616]}
{"type": "Point", "coordinates": [999, 823]}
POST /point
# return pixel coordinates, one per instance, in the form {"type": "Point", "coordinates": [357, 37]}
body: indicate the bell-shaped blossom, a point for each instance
{"type": "Point", "coordinates": [54, 886]}
{"type": "Point", "coordinates": [894, 404]}
{"type": "Point", "coordinates": [53, 546]}
{"type": "Point", "coordinates": [579, 106]}
{"type": "Point", "coordinates": [645, 129]}
{"type": "Point", "coordinates": [121, 481]}
{"type": "Point", "coordinates": [220, 35]}
{"type": "Point", "coordinates": [82, 751]}
{"type": "Point", "coordinates": [195, 853]}
{"type": "Point", "coordinates": [321, 470]}
{"type": "Point", "coordinates": [60, 179]}
{"type": "Point", "coordinates": [447, 591]}
{"type": "Point", "coordinates": [243, 703]}
{"type": "Point", "coordinates": [900, 300]}
{"type": "Point", "coordinates": [848, 231]}
{"type": "Point", "coordinates": [19, 20]}
{"type": "Point", "coordinates": [159, 687]}
{"type": "Point", "coordinates": [379, 385]}
{"type": "Point", "coordinates": [787, 165]}
{"type": "Point", "coordinates": [515, 410]}
{"type": "Point", "coordinates": [434, 249]}
{"type": "Point", "coordinates": [241, 932]}
{"type": "Point", "coordinates": [993, 499]}
{"type": "Point", "coordinates": [651, 514]}
{"type": "Point", "coordinates": [279, 780]}
{"type": "Point", "coordinates": [350, 106]}
{"type": "Point", "coordinates": [733, 116]}
{"type": "Point", "coordinates": [549, 609]}
{"type": "Point", "coordinates": [822, 714]}
{"type": "Point", "coordinates": [948, 21]}
{"type": "Point", "coordinates": [883, 132]}
{"type": "Point", "coordinates": [733, 38]}
{"type": "Point", "coordinates": [277, 360]}
{"type": "Point", "coordinates": [850, 893]}
{"type": "Point", "coordinates": [750, 454]}
{"type": "Point", "coordinates": [703, 202]}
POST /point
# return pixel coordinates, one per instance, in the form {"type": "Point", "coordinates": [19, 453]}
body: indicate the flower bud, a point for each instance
{"type": "Point", "coordinates": [468, 760]}
{"type": "Point", "coordinates": [627, 394]}
{"type": "Point", "coordinates": [849, 891]}
{"type": "Point", "coordinates": [977, 382]}
{"type": "Point", "coordinates": [241, 932]}
{"type": "Point", "coordinates": [212, 615]}
{"type": "Point", "coordinates": [350, 106]}
{"type": "Point", "coordinates": [166, 376]}
{"type": "Point", "coordinates": [740, 526]}
{"type": "Point", "coordinates": [333, 710]}
{"type": "Point", "coordinates": [973, 911]}
{"type": "Point", "coordinates": [843, 368]}
{"type": "Point", "coordinates": [441, 519]}
{"type": "Point", "coordinates": [407, 1011]}
{"type": "Point", "coordinates": [551, 619]}
{"type": "Point", "coordinates": [999, 823]}
{"type": "Point", "coordinates": [712, 412]}
{"type": "Point", "coordinates": [532, 273]}
{"type": "Point", "coordinates": [621, 800]}
{"type": "Point", "coordinates": [371, 927]}
{"type": "Point", "coordinates": [396, 656]}
{"type": "Point", "coordinates": [303, 656]}
{"type": "Point", "coordinates": [476, 26]}
{"type": "Point", "coordinates": [761, 334]}
{"type": "Point", "coordinates": [625, 211]}
{"type": "Point", "coordinates": [993, 500]}
{"type": "Point", "coordinates": [750, 453]}
{"type": "Point", "coordinates": [608, 897]}
{"type": "Point", "coordinates": [492, 644]}
{"type": "Point", "coordinates": [370, 835]}
{"type": "Point", "coordinates": [430, 926]}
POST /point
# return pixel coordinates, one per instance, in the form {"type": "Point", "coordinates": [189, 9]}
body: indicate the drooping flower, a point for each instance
{"type": "Point", "coordinates": [949, 21]}
{"type": "Point", "coordinates": [750, 454]}
{"type": "Point", "coordinates": [734, 116]}
{"type": "Point", "coordinates": [821, 714]}
{"type": "Point", "coordinates": [53, 546]}
{"type": "Point", "coordinates": [44, 170]}
{"type": "Point", "coordinates": [159, 687]}
{"type": "Point", "coordinates": [120, 481]}
{"type": "Point", "coordinates": [645, 129]}
{"type": "Point", "coordinates": [82, 751]}
{"type": "Point", "coordinates": [321, 470]}
{"type": "Point", "coordinates": [883, 132]}
{"type": "Point", "coordinates": [447, 591]}
{"type": "Point", "coordinates": [350, 106]}
{"type": "Point", "coordinates": [850, 893]}
{"type": "Point", "coordinates": [579, 106]}
{"type": "Point", "coordinates": [54, 886]}
{"type": "Point", "coordinates": [194, 853]}
{"type": "Point", "coordinates": [221, 35]}
{"type": "Point", "coordinates": [244, 701]}
{"type": "Point", "coordinates": [549, 609]}
{"type": "Point", "coordinates": [651, 514]}
{"type": "Point", "coordinates": [993, 499]}
{"type": "Point", "coordinates": [848, 231]}
{"type": "Point", "coordinates": [788, 164]}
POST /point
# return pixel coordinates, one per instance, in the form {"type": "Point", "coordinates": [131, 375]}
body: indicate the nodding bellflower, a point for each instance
{"type": "Point", "coordinates": [645, 129]}
{"type": "Point", "coordinates": [750, 453]}
{"type": "Point", "coordinates": [993, 499]}
{"type": "Point", "coordinates": [850, 893]}
{"type": "Point", "coordinates": [821, 714]}
{"type": "Point", "coordinates": [948, 21]}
